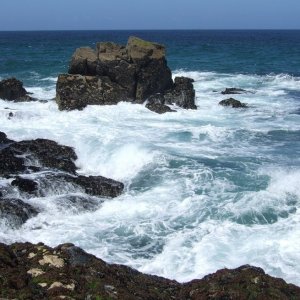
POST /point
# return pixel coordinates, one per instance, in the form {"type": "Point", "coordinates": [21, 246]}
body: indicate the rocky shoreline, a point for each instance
{"type": "Point", "coordinates": [30, 271]}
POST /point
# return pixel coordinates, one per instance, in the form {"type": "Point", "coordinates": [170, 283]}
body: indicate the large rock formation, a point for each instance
{"type": "Point", "coordinates": [67, 272]}
{"type": "Point", "coordinates": [114, 73]}
{"type": "Point", "coordinates": [12, 89]}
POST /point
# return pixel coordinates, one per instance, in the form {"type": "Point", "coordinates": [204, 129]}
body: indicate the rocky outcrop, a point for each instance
{"type": "Point", "coordinates": [112, 73]}
{"type": "Point", "coordinates": [182, 94]}
{"type": "Point", "coordinates": [12, 89]}
{"type": "Point", "coordinates": [67, 272]}
{"type": "Point", "coordinates": [233, 103]}
{"type": "Point", "coordinates": [156, 103]}
{"type": "Point", "coordinates": [57, 175]}
{"type": "Point", "coordinates": [15, 212]}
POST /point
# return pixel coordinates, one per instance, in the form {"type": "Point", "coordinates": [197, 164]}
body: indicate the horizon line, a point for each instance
{"type": "Point", "coordinates": [176, 29]}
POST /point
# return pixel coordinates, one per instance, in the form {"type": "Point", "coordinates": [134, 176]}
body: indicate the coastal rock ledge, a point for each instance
{"type": "Point", "coordinates": [112, 73]}
{"type": "Point", "coordinates": [29, 271]}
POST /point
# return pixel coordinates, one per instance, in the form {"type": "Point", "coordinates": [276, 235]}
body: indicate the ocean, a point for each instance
{"type": "Point", "coordinates": [205, 189]}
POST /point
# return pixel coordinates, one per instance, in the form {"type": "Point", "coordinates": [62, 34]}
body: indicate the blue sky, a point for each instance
{"type": "Point", "coordinates": [152, 14]}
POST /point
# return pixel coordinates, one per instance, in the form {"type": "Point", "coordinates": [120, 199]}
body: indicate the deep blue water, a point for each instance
{"type": "Point", "coordinates": [248, 52]}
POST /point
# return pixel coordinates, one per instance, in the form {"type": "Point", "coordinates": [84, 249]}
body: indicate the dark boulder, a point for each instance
{"type": "Point", "coordinates": [15, 211]}
{"type": "Point", "coordinates": [114, 73]}
{"type": "Point", "coordinates": [17, 157]}
{"type": "Point", "coordinates": [156, 103]}
{"type": "Point", "coordinates": [99, 186]}
{"type": "Point", "coordinates": [10, 163]}
{"type": "Point", "coordinates": [182, 94]}
{"type": "Point", "coordinates": [233, 91]}
{"type": "Point", "coordinates": [25, 185]}
{"type": "Point", "coordinates": [233, 103]}
{"type": "Point", "coordinates": [3, 139]}
{"type": "Point", "coordinates": [12, 89]}
{"type": "Point", "coordinates": [48, 153]}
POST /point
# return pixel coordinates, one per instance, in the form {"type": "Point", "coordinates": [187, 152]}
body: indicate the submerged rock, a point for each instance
{"type": "Point", "coordinates": [233, 91]}
{"type": "Point", "coordinates": [114, 73]}
{"type": "Point", "coordinates": [99, 186]}
{"type": "Point", "coordinates": [156, 103]}
{"type": "Point", "coordinates": [182, 94]}
{"type": "Point", "coordinates": [233, 103]}
{"type": "Point", "coordinates": [41, 272]}
{"type": "Point", "coordinates": [15, 211]}
{"type": "Point", "coordinates": [25, 185]}
{"type": "Point", "coordinates": [12, 89]}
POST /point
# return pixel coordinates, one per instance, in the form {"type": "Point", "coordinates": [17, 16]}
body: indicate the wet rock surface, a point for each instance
{"type": "Point", "coordinates": [16, 212]}
{"type": "Point", "coordinates": [233, 103]}
{"type": "Point", "coordinates": [67, 272]}
{"type": "Point", "coordinates": [39, 168]}
{"type": "Point", "coordinates": [12, 89]}
{"type": "Point", "coordinates": [233, 91]}
{"type": "Point", "coordinates": [112, 73]}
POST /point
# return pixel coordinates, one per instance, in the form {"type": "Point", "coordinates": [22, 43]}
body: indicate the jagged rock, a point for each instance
{"type": "Point", "coordinates": [30, 270]}
{"type": "Point", "coordinates": [9, 163]}
{"type": "Point", "coordinates": [3, 139]}
{"type": "Point", "coordinates": [99, 186]}
{"type": "Point", "coordinates": [233, 103]}
{"type": "Point", "coordinates": [156, 103]}
{"type": "Point", "coordinates": [12, 89]}
{"type": "Point", "coordinates": [48, 153]}
{"type": "Point", "coordinates": [182, 94]}
{"type": "Point", "coordinates": [116, 73]}
{"type": "Point", "coordinates": [15, 211]}
{"type": "Point", "coordinates": [25, 185]}
{"type": "Point", "coordinates": [84, 61]}
{"type": "Point", "coordinates": [17, 157]}
{"type": "Point", "coordinates": [77, 91]}
{"type": "Point", "coordinates": [233, 91]}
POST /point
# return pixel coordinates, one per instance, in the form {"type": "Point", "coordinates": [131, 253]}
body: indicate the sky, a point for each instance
{"type": "Point", "coordinates": [148, 14]}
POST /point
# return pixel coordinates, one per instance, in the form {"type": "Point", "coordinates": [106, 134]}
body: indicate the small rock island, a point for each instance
{"type": "Point", "coordinates": [111, 73]}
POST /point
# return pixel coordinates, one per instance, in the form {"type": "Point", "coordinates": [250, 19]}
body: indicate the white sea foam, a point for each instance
{"type": "Point", "coordinates": [204, 189]}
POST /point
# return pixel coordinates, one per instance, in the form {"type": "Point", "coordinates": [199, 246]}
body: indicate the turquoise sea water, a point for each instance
{"type": "Point", "coordinates": [204, 189]}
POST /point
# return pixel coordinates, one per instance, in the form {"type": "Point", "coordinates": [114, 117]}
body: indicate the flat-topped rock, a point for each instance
{"type": "Point", "coordinates": [112, 73]}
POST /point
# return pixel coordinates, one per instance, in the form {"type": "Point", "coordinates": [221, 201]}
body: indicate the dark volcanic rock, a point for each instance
{"type": "Point", "coordinates": [99, 186]}
{"type": "Point", "coordinates": [12, 89]}
{"type": "Point", "coordinates": [48, 153]}
{"type": "Point", "coordinates": [9, 163]}
{"type": "Point", "coordinates": [233, 91]}
{"type": "Point", "coordinates": [233, 103]}
{"type": "Point", "coordinates": [15, 211]}
{"type": "Point", "coordinates": [40, 272]}
{"type": "Point", "coordinates": [115, 73]}
{"type": "Point", "coordinates": [77, 91]}
{"type": "Point", "coordinates": [25, 185]}
{"type": "Point", "coordinates": [182, 94]}
{"type": "Point", "coordinates": [156, 103]}
{"type": "Point", "coordinates": [17, 157]}
{"type": "Point", "coordinates": [3, 139]}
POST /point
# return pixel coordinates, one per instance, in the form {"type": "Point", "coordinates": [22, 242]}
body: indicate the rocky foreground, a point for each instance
{"type": "Point", "coordinates": [30, 271]}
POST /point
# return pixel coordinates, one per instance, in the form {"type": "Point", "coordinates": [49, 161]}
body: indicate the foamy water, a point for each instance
{"type": "Point", "coordinates": [205, 189]}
